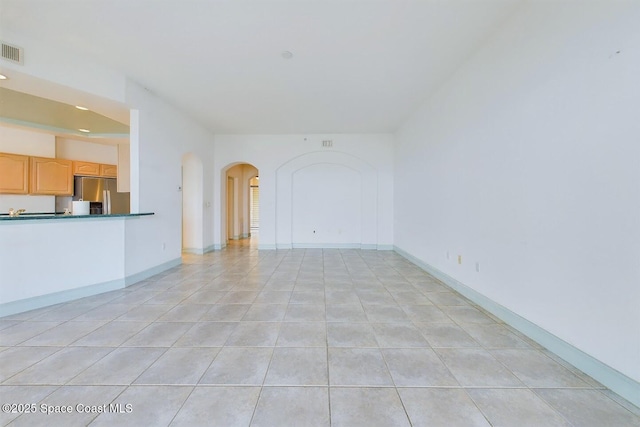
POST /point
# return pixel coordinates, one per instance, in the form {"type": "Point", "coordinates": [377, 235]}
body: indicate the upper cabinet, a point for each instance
{"type": "Point", "coordinates": [51, 176]}
{"type": "Point", "coordinates": [94, 169]}
{"type": "Point", "coordinates": [86, 168]}
{"type": "Point", "coordinates": [109, 171]}
{"type": "Point", "coordinates": [14, 174]}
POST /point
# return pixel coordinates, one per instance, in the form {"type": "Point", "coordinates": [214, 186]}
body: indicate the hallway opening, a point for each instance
{"type": "Point", "coordinates": [240, 211]}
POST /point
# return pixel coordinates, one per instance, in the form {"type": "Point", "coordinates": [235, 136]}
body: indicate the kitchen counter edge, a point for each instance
{"type": "Point", "coordinates": [65, 217]}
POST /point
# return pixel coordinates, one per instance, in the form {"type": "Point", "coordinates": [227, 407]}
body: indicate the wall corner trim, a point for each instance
{"type": "Point", "coordinates": [606, 375]}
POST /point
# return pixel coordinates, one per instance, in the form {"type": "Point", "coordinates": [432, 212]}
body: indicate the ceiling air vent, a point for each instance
{"type": "Point", "coordinates": [327, 143]}
{"type": "Point", "coordinates": [12, 53]}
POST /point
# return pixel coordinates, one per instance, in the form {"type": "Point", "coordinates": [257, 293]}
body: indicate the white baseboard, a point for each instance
{"type": "Point", "coordinates": [199, 251]}
{"type": "Point", "coordinates": [27, 304]}
{"type": "Point", "coordinates": [605, 374]}
{"type": "Point", "coordinates": [326, 246]}
{"type": "Point", "coordinates": [193, 251]}
{"type": "Point", "coordinates": [145, 274]}
{"type": "Point", "coordinates": [364, 246]}
{"type": "Point", "coordinates": [385, 247]}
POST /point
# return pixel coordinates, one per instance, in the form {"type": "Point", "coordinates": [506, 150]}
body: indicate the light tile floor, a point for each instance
{"type": "Point", "coordinates": [289, 338]}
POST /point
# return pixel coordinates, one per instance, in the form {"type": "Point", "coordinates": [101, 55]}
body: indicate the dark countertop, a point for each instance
{"type": "Point", "coordinates": [52, 215]}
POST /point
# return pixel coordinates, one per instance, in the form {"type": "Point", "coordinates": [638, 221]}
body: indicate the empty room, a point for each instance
{"type": "Point", "coordinates": [320, 213]}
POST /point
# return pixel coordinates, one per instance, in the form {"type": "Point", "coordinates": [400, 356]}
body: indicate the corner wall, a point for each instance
{"type": "Point", "coordinates": [160, 136]}
{"type": "Point", "coordinates": [525, 164]}
{"type": "Point", "coordinates": [279, 157]}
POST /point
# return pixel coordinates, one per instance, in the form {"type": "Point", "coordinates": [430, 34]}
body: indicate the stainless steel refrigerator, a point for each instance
{"type": "Point", "coordinates": [102, 190]}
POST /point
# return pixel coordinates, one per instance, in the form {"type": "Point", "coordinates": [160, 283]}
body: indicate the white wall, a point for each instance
{"type": "Point", "coordinates": [192, 205]}
{"type": "Point", "coordinates": [41, 257]}
{"type": "Point", "coordinates": [28, 143]}
{"type": "Point", "coordinates": [279, 157]}
{"type": "Point", "coordinates": [526, 161]}
{"type": "Point", "coordinates": [326, 206]}
{"type": "Point", "coordinates": [160, 136]}
{"type": "Point", "coordinates": [72, 149]}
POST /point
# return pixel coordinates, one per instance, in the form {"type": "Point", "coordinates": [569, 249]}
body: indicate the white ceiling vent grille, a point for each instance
{"type": "Point", "coordinates": [12, 53]}
{"type": "Point", "coordinates": [327, 143]}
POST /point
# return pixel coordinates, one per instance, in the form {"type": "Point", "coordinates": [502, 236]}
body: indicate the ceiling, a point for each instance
{"type": "Point", "coordinates": [31, 111]}
{"type": "Point", "coordinates": [357, 65]}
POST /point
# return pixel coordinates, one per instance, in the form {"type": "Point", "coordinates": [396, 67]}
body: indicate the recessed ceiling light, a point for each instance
{"type": "Point", "coordinates": [82, 108]}
{"type": "Point", "coordinates": [287, 55]}
{"type": "Point", "coordinates": [3, 77]}
{"type": "Point", "coordinates": [84, 130]}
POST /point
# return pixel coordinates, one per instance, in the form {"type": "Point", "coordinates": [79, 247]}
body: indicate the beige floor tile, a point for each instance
{"type": "Point", "coordinates": [536, 369]}
{"type": "Point", "coordinates": [179, 366]}
{"type": "Point", "coordinates": [298, 367]}
{"type": "Point", "coordinates": [305, 313]}
{"type": "Point", "coordinates": [366, 407]}
{"type": "Point", "coordinates": [344, 334]}
{"type": "Point", "coordinates": [521, 407]}
{"type": "Point", "coordinates": [226, 312]}
{"type": "Point", "coordinates": [16, 359]}
{"type": "Point", "coordinates": [346, 313]}
{"type": "Point", "coordinates": [477, 368]}
{"type": "Point", "coordinates": [446, 335]}
{"type": "Point", "coordinates": [218, 407]}
{"type": "Point", "coordinates": [207, 334]}
{"type": "Point", "coordinates": [120, 367]}
{"type": "Point", "coordinates": [429, 407]}
{"type": "Point", "coordinates": [60, 367]}
{"type": "Point", "coordinates": [302, 334]}
{"type": "Point", "coordinates": [254, 334]}
{"type": "Point", "coordinates": [239, 366]}
{"type": "Point", "coordinates": [17, 394]}
{"type": "Point", "coordinates": [159, 334]}
{"type": "Point", "coordinates": [359, 367]}
{"type": "Point", "coordinates": [149, 406]}
{"type": "Point", "coordinates": [419, 367]}
{"type": "Point", "coordinates": [293, 406]}
{"type": "Point", "coordinates": [79, 398]}
{"type": "Point", "coordinates": [111, 334]}
{"type": "Point", "coordinates": [398, 335]}
{"type": "Point", "coordinates": [588, 408]}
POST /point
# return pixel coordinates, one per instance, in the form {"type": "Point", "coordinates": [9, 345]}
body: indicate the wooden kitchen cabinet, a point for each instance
{"type": "Point", "coordinates": [86, 168]}
{"type": "Point", "coordinates": [110, 171]}
{"type": "Point", "coordinates": [51, 176]}
{"type": "Point", "coordinates": [14, 174]}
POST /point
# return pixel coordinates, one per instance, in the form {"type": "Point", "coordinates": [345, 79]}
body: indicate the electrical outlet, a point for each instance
{"type": "Point", "coordinates": [477, 267]}
{"type": "Point", "coordinates": [448, 257]}
{"type": "Point", "coordinates": [459, 259]}
{"type": "Point", "coordinates": [164, 246]}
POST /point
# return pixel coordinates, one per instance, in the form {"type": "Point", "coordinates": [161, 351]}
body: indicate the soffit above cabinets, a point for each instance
{"type": "Point", "coordinates": [25, 110]}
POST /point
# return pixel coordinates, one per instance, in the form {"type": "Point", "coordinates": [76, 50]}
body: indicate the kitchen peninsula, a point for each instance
{"type": "Point", "coordinates": [50, 259]}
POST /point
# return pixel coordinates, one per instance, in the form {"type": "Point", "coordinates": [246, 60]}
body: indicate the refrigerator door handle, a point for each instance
{"type": "Point", "coordinates": [109, 201]}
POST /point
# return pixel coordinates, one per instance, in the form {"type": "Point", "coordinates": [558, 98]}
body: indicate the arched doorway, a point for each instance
{"type": "Point", "coordinates": [240, 210]}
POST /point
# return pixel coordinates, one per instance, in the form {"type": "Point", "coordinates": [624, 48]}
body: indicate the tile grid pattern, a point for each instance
{"type": "Point", "coordinates": [296, 337]}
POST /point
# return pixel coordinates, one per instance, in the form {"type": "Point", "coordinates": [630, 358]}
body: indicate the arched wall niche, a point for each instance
{"type": "Point", "coordinates": [326, 199]}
